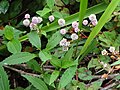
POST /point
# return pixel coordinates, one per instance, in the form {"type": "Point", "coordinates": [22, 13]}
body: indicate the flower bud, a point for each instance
{"type": "Point", "coordinates": [26, 22]}
{"type": "Point", "coordinates": [76, 30]}
{"type": "Point", "coordinates": [35, 20]}
{"type": "Point", "coordinates": [63, 31]}
{"type": "Point", "coordinates": [94, 22]}
{"type": "Point", "coordinates": [75, 24]}
{"type": "Point", "coordinates": [85, 22]}
{"type": "Point", "coordinates": [63, 42]}
{"type": "Point", "coordinates": [74, 36]}
{"type": "Point", "coordinates": [51, 18]}
{"type": "Point", "coordinates": [27, 16]}
{"type": "Point", "coordinates": [104, 52]}
{"type": "Point", "coordinates": [92, 17]}
{"type": "Point", "coordinates": [32, 26]}
{"type": "Point", "coordinates": [61, 22]}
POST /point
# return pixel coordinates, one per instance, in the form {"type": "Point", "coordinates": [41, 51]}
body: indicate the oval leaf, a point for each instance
{"type": "Point", "coordinates": [18, 58]}
{"type": "Point", "coordinates": [36, 82]}
{"type": "Point", "coordinates": [34, 39]}
{"type": "Point", "coordinates": [67, 76]}
{"type": "Point", "coordinates": [14, 46]}
{"type": "Point", "coordinates": [4, 83]}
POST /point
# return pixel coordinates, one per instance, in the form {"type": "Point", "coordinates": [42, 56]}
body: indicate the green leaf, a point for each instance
{"type": "Point", "coordinates": [67, 77]}
{"type": "Point", "coordinates": [14, 46]}
{"type": "Point", "coordinates": [115, 63]}
{"type": "Point", "coordinates": [34, 39]}
{"type": "Point", "coordinates": [93, 63]}
{"type": "Point", "coordinates": [50, 3]}
{"type": "Point", "coordinates": [57, 14]}
{"type": "Point", "coordinates": [4, 5]}
{"type": "Point", "coordinates": [82, 12]}
{"type": "Point", "coordinates": [43, 12]}
{"type": "Point", "coordinates": [9, 34]}
{"type": "Point", "coordinates": [54, 40]}
{"type": "Point", "coordinates": [54, 76]}
{"type": "Point", "coordinates": [82, 86]}
{"type": "Point", "coordinates": [4, 83]}
{"type": "Point", "coordinates": [84, 74]}
{"type": "Point", "coordinates": [36, 82]}
{"type": "Point", "coordinates": [33, 64]}
{"type": "Point", "coordinates": [55, 62]}
{"type": "Point", "coordinates": [18, 58]}
{"type": "Point", "coordinates": [100, 24]}
{"type": "Point", "coordinates": [66, 1]}
{"type": "Point", "coordinates": [95, 85]}
{"type": "Point", "coordinates": [44, 55]}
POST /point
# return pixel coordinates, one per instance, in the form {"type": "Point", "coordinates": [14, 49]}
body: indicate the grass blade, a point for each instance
{"type": "Point", "coordinates": [82, 12]}
{"type": "Point", "coordinates": [106, 15]}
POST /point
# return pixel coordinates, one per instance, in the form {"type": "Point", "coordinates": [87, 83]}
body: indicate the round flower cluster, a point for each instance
{"type": "Point", "coordinates": [93, 20]}
{"type": "Point", "coordinates": [64, 43]}
{"type": "Point", "coordinates": [51, 18]}
{"type": "Point", "coordinates": [32, 24]}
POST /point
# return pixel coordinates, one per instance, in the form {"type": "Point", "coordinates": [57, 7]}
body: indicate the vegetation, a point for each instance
{"type": "Point", "coordinates": [59, 44]}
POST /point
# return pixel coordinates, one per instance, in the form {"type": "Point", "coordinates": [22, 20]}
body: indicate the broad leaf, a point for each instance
{"type": "Point", "coordinates": [44, 55]}
{"type": "Point", "coordinates": [9, 34]}
{"type": "Point", "coordinates": [54, 40]}
{"type": "Point", "coordinates": [14, 46]}
{"type": "Point", "coordinates": [4, 83]}
{"type": "Point", "coordinates": [36, 82]}
{"type": "Point", "coordinates": [18, 58]}
{"type": "Point", "coordinates": [54, 76]}
{"type": "Point", "coordinates": [50, 3]}
{"type": "Point", "coordinates": [67, 77]}
{"type": "Point", "coordinates": [34, 39]}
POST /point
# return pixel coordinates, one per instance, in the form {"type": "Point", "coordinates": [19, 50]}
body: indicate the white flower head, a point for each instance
{"type": "Point", "coordinates": [63, 31]}
{"type": "Point", "coordinates": [39, 19]}
{"type": "Point", "coordinates": [51, 18]}
{"type": "Point", "coordinates": [104, 52]}
{"type": "Point", "coordinates": [61, 22]}
{"type": "Point", "coordinates": [92, 17]}
{"type": "Point", "coordinates": [94, 22]}
{"type": "Point", "coordinates": [74, 36]}
{"type": "Point", "coordinates": [26, 22]}
{"type": "Point", "coordinates": [33, 26]}
{"type": "Point", "coordinates": [75, 24]}
{"type": "Point", "coordinates": [76, 30]}
{"type": "Point", "coordinates": [85, 22]}
{"type": "Point", "coordinates": [27, 16]}
{"type": "Point", "coordinates": [112, 49]}
{"type": "Point", "coordinates": [35, 20]}
{"type": "Point", "coordinates": [63, 42]}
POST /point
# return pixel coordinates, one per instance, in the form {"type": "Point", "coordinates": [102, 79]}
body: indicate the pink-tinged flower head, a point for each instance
{"type": "Point", "coordinates": [104, 52]}
{"type": "Point", "coordinates": [75, 24]}
{"type": "Point", "coordinates": [61, 22]}
{"type": "Point", "coordinates": [63, 31]}
{"type": "Point", "coordinates": [63, 42]}
{"type": "Point", "coordinates": [85, 22]}
{"type": "Point", "coordinates": [27, 16]}
{"type": "Point", "coordinates": [39, 19]}
{"type": "Point", "coordinates": [26, 22]}
{"type": "Point", "coordinates": [94, 22]}
{"type": "Point", "coordinates": [32, 26]}
{"type": "Point", "coordinates": [76, 30]}
{"type": "Point", "coordinates": [74, 36]}
{"type": "Point", "coordinates": [51, 18]}
{"type": "Point", "coordinates": [35, 20]}
{"type": "Point", "coordinates": [92, 17]}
